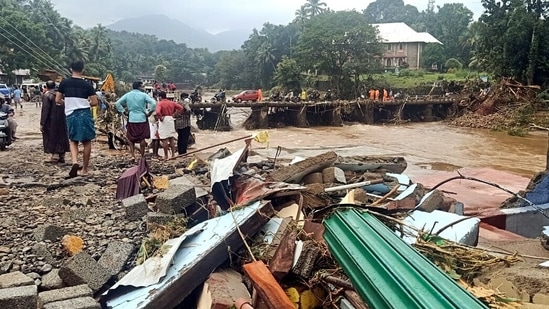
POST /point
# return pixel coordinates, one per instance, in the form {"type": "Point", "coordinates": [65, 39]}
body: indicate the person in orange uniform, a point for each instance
{"type": "Point", "coordinates": [377, 94]}
{"type": "Point", "coordinates": [385, 97]}
{"type": "Point", "coordinates": [372, 94]}
{"type": "Point", "coordinates": [259, 95]}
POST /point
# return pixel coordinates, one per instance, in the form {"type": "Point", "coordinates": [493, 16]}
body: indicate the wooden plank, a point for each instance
{"type": "Point", "coordinates": [267, 287]}
{"type": "Point", "coordinates": [283, 258]}
{"type": "Point", "coordinates": [295, 172]}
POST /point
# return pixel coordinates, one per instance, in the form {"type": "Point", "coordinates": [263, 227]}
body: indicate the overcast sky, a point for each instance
{"type": "Point", "coordinates": [211, 15]}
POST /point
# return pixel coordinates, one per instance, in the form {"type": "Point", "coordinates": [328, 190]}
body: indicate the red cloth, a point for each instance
{"type": "Point", "coordinates": [167, 108]}
{"type": "Point", "coordinates": [129, 182]}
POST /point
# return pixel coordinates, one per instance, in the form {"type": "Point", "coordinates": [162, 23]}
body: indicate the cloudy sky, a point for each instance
{"type": "Point", "coordinates": [212, 15]}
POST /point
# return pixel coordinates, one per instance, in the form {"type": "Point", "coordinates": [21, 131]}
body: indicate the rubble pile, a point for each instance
{"type": "Point", "coordinates": [236, 228]}
{"type": "Point", "coordinates": [501, 106]}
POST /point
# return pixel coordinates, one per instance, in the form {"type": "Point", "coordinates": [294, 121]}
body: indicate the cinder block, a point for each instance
{"type": "Point", "coordinates": [48, 232]}
{"type": "Point", "coordinates": [115, 257]}
{"type": "Point", "coordinates": [333, 175]}
{"type": "Point", "coordinates": [47, 297]}
{"type": "Point", "coordinates": [75, 303]}
{"type": "Point", "coordinates": [159, 218]}
{"type": "Point", "coordinates": [222, 289]}
{"type": "Point", "coordinates": [14, 279]}
{"type": "Point", "coordinates": [175, 199]}
{"type": "Point", "coordinates": [22, 297]}
{"type": "Point", "coordinates": [136, 207]}
{"type": "Point", "coordinates": [83, 269]}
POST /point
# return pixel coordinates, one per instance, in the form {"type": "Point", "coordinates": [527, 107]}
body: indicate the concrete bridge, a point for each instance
{"type": "Point", "coordinates": [330, 113]}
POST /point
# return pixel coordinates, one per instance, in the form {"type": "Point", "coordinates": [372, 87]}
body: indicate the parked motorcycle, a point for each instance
{"type": "Point", "coordinates": [276, 97]}
{"type": "Point", "coordinates": [5, 131]}
{"type": "Point", "coordinates": [219, 97]}
{"type": "Point", "coordinates": [195, 97]}
{"type": "Point", "coordinates": [314, 96]}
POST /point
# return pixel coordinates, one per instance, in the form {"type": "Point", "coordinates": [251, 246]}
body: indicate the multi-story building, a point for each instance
{"type": "Point", "coordinates": [402, 45]}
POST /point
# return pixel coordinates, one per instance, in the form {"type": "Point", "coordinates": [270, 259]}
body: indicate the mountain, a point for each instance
{"type": "Point", "coordinates": [166, 28]}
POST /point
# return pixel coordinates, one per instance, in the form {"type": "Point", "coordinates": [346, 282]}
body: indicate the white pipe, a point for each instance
{"type": "Point", "coordinates": [353, 185]}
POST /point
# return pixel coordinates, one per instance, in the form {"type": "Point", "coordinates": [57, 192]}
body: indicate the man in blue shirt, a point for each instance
{"type": "Point", "coordinates": [139, 106]}
{"type": "Point", "coordinates": [17, 97]}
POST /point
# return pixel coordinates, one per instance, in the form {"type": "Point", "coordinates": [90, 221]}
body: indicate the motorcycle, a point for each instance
{"type": "Point", "coordinates": [276, 97]}
{"type": "Point", "coordinates": [195, 97]}
{"type": "Point", "coordinates": [219, 97]}
{"type": "Point", "coordinates": [5, 131]}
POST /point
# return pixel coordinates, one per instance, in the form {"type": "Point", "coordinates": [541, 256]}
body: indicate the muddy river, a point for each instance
{"type": "Point", "coordinates": [427, 147]}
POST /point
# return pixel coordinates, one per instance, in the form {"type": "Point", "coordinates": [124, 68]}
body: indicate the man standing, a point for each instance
{"type": "Point", "coordinates": [140, 106]}
{"type": "Point", "coordinates": [53, 126]}
{"type": "Point", "coordinates": [17, 97]}
{"type": "Point", "coordinates": [183, 127]}
{"type": "Point", "coordinates": [74, 93]}
{"type": "Point", "coordinates": [165, 111]}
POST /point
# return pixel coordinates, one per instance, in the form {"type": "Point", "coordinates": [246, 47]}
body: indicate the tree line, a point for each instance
{"type": "Point", "coordinates": [320, 45]}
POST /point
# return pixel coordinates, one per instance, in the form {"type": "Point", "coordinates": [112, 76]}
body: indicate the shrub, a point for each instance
{"type": "Point", "coordinates": [453, 63]}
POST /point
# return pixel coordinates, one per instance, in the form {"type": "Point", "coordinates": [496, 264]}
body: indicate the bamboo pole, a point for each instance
{"type": "Point", "coordinates": [212, 146]}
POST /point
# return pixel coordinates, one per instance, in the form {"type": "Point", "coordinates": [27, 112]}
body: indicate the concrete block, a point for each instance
{"type": "Point", "coordinates": [312, 178]}
{"type": "Point", "coordinates": [23, 297]}
{"type": "Point", "coordinates": [175, 199]}
{"type": "Point", "coordinates": [136, 207]}
{"type": "Point", "coordinates": [464, 232]}
{"type": "Point", "coordinates": [516, 217]}
{"type": "Point", "coordinates": [333, 175]}
{"type": "Point", "coordinates": [48, 232]}
{"type": "Point", "coordinates": [160, 218]}
{"type": "Point", "coordinates": [51, 280]}
{"type": "Point", "coordinates": [15, 279]}
{"type": "Point", "coordinates": [116, 256]}
{"type": "Point", "coordinates": [47, 297]}
{"type": "Point", "coordinates": [431, 201]}
{"type": "Point", "coordinates": [184, 180]}
{"type": "Point", "coordinates": [75, 303]}
{"type": "Point", "coordinates": [541, 299]}
{"type": "Point", "coordinates": [222, 289]}
{"type": "Point", "coordinates": [83, 269]}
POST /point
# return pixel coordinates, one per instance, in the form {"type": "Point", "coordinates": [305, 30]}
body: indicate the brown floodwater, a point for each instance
{"type": "Point", "coordinates": [426, 146]}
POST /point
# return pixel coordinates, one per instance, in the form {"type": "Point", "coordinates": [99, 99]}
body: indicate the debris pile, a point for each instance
{"type": "Point", "coordinates": [500, 106]}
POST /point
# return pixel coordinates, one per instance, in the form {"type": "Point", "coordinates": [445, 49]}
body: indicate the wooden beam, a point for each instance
{"type": "Point", "coordinates": [267, 287]}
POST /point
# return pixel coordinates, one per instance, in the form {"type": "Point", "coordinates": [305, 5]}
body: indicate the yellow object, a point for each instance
{"type": "Point", "coordinates": [73, 244]}
{"type": "Point", "coordinates": [262, 137]}
{"type": "Point", "coordinates": [192, 165]}
{"type": "Point", "coordinates": [108, 84]}
{"type": "Point", "coordinates": [161, 182]}
{"type": "Point", "coordinates": [293, 295]}
{"type": "Point", "coordinates": [310, 299]}
{"type": "Point", "coordinates": [94, 112]}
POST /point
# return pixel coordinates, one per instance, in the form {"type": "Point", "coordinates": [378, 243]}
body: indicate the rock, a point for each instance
{"type": "Point", "coordinates": [4, 191]}
{"type": "Point", "coordinates": [333, 175]}
{"type": "Point", "coordinates": [46, 268]}
{"type": "Point", "coordinates": [115, 256]}
{"type": "Point", "coordinates": [41, 250]}
{"type": "Point", "coordinates": [4, 249]}
{"type": "Point", "coordinates": [431, 201]}
{"type": "Point", "coordinates": [34, 276]}
{"type": "Point", "coordinates": [51, 280]}
{"type": "Point", "coordinates": [5, 266]}
{"type": "Point", "coordinates": [65, 293]}
{"type": "Point", "coordinates": [136, 207]}
{"type": "Point", "coordinates": [15, 279]}
{"type": "Point", "coordinates": [75, 303]}
{"type": "Point", "coordinates": [23, 297]}
{"type": "Point", "coordinates": [83, 269]}
{"type": "Point", "coordinates": [157, 218]}
{"type": "Point", "coordinates": [175, 199]}
{"type": "Point", "coordinates": [48, 232]}
{"type": "Point", "coordinates": [72, 244]}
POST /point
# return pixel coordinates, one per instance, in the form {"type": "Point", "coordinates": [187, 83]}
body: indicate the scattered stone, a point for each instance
{"type": "Point", "coordinates": [4, 249]}
{"type": "Point", "coordinates": [65, 293]}
{"type": "Point", "coordinates": [75, 303]}
{"type": "Point", "coordinates": [136, 207]}
{"type": "Point", "coordinates": [15, 279]}
{"type": "Point", "coordinates": [46, 268]}
{"type": "Point", "coordinates": [23, 297]}
{"type": "Point", "coordinates": [41, 251]}
{"type": "Point", "coordinates": [34, 276]}
{"type": "Point", "coordinates": [51, 280]}
{"type": "Point", "coordinates": [158, 218]}
{"type": "Point", "coordinates": [48, 232]}
{"type": "Point", "coordinates": [4, 191]}
{"type": "Point", "coordinates": [431, 201]}
{"type": "Point", "coordinates": [5, 266]}
{"type": "Point", "coordinates": [116, 256]}
{"type": "Point", "coordinates": [72, 244]}
{"type": "Point", "coordinates": [83, 269]}
{"type": "Point", "coordinates": [175, 199]}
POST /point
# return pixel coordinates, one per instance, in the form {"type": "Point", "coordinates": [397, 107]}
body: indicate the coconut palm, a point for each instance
{"type": "Point", "coordinates": [315, 7]}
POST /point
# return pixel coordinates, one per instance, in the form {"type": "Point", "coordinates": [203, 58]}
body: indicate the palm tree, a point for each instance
{"type": "Point", "coordinates": [301, 16]}
{"type": "Point", "coordinates": [265, 54]}
{"type": "Point", "coordinates": [315, 7]}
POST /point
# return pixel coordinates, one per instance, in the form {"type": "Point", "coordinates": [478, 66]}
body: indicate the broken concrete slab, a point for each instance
{"type": "Point", "coordinates": [222, 289]}
{"type": "Point", "coordinates": [312, 178]}
{"type": "Point", "coordinates": [116, 256]}
{"type": "Point", "coordinates": [75, 303]}
{"type": "Point", "coordinates": [464, 232]}
{"type": "Point", "coordinates": [51, 280]}
{"type": "Point", "coordinates": [15, 279]}
{"type": "Point", "coordinates": [22, 297]}
{"type": "Point", "coordinates": [295, 172]}
{"type": "Point", "coordinates": [136, 207]}
{"type": "Point", "coordinates": [186, 181]}
{"type": "Point", "coordinates": [83, 269]}
{"type": "Point", "coordinates": [77, 291]}
{"type": "Point", "coordinates": [49, 232]}
{"type": "Point", "coordinates": [431, 201]}
{"type": "Point", "coordinates": [333, 175]}
{"type": "Point", "coordinates": [175, 199]}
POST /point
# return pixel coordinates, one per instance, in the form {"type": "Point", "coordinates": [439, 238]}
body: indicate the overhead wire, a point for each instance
{"type": "Point", "coordinates": [52, 60]}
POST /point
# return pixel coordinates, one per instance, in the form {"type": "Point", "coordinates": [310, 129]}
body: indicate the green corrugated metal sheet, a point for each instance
{"type": "Point", "coordinates": [386, 271]}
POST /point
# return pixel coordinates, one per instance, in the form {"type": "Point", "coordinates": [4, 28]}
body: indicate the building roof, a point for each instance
{"type": "Point", "coordinates": [402, 33]}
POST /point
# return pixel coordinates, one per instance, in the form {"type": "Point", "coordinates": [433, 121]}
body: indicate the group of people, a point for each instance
{"type": "Point", "coordinates": [66, 121]}
{"type": "Point", "coordinates": [383, 95]}
{"type": "Point", "coordinates": [163, 86]}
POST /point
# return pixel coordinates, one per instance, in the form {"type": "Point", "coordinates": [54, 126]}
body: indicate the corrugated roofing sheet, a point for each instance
{"type": "Point", "coordinates": [402, 33]}
{"type": "Point", "coordinates": [387, 272]}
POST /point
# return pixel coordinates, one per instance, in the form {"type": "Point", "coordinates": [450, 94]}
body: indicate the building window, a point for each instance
{"type": "Point", "coordinates": [400, 46]}
{"type": "Point", "coordinates": [389, 47]}
{"type": "Point", "coordinates": [389, 62]}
